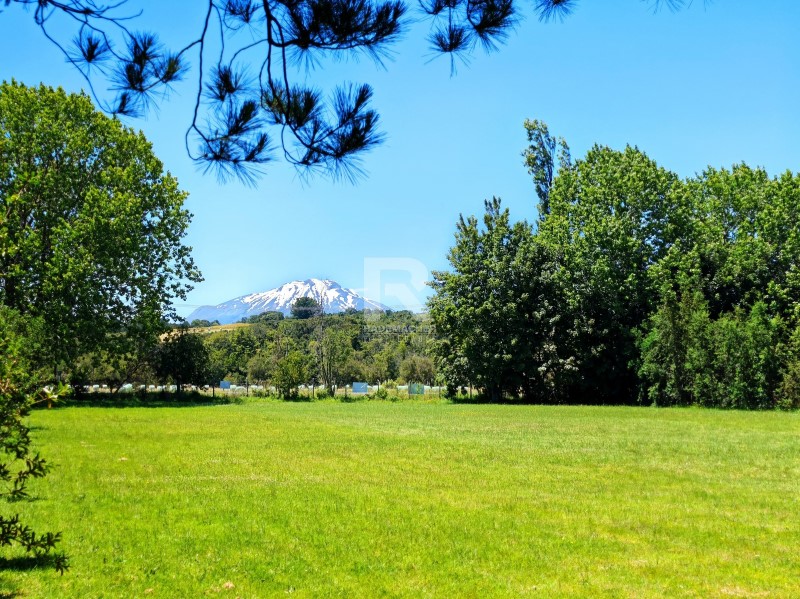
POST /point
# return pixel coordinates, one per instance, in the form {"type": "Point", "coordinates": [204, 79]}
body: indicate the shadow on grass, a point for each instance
{"type": "Point", "coordinates": [485, 399]}
{"type": "Point", "coordinates": [147, 400]}
{"type": "Point", "coordinates": [298, 398]}
{"type": "Point", "coordinates": [26, 564]}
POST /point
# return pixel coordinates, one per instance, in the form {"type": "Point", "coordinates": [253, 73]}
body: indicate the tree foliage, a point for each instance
{"type": "Point", "coordinates": [291, 371]}
{"type": "Point", "coordinates": [544, 156]}
{"type": "Point", "coordinates": [636, 286]}
{"type": "Point", "coordinates": [306, 307]}
{"type": "Point", "coordinates": [418, 369]}
{"type": "Point", "coordinates": [253, 96]}
{"type": "Point", "coordinates": [338, 349]}
{"type": "Point", "coordinates": [476, 309]}
{"type": "Point", "coordinates": [90, 239]}
{"type": "Point", "coordinates": [184, 359]}
{"type": "Point", "coordinates": [331, 351]}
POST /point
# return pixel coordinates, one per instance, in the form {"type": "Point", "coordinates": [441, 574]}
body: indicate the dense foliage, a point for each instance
{"type": "Point", "coordinates": [634, 286]}
{"type": "Point", "coordinates": [90, 239]}
{"type": "Point", "coordinates": [327, 351]}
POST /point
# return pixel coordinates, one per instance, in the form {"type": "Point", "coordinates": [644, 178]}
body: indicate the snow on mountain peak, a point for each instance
{"type": "Point", "coordinates": [332, 296]}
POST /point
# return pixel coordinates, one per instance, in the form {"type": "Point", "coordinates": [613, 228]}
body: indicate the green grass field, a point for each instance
{"type": "Point", "coordinates": [415, 499]}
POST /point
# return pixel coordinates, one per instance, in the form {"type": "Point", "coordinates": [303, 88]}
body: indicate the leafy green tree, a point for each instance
{"type": "Point", "coordinates": [743, 369]}
{"type": "Point", "coordinates": [544, 157]}
{"type": "Point", "coordinates": [112, 370]}
{"type": "Point", "coordinates": [476, 308]}
{"type": "Point", "coordinates": [201, 323]}
{"type": "Point", "coordinates": [91, 238]}
{"type": "Point", "coordinates": [418, 369]}
{"type": "Point", "coordinates": [675, 350]}
{"type": "Point", "coordinates": [499, 315]}
{"type": "Point", "coordinates": [375, 367]}
{"type": "Point", "coordinates": [265, 317]}
{"type": "Point", "coordinates": [332, 352]}
{"type": "Point", "coordinates": [291, 371]}
{"type": "Point", "coordinates": [635, 284]}
{"type": "Point", "coordinates": [548, 347]}
{"type": "Point", "coordinates": [745, 235]}
{"type": "Point", "coordinates": [306, 307]}
{"type": "Point", "coordinates": [184, 359]}
{"type": "Point", "coordinates": [611, 217]}
{"type": "Point", "coordinates": [727, 293]}
{"type": "Point", "coordinates": [230, 353]}
{"type": "Point", "coordinates": [260, 368]}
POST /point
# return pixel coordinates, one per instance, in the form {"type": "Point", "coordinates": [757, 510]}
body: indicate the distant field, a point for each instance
{"type": "Point", "coordinates": [416, 499]}
{"type": "Point", "coordinates": [221, 327]}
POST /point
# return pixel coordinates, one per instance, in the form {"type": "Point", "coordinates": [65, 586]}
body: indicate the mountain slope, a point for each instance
{"type": "Point", "coordinates": [333, 297]}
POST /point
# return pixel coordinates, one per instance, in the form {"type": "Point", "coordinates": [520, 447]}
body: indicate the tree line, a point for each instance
{"type": "Point", "coordinates": [634, 286]}
{"type": "Point", "coordinates": [309, 348]}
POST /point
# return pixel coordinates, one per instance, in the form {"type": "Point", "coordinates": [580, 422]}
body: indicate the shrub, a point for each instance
{"type": "Point", "coordinates": [673, 351]}
{"type": "Point", "coordinates": [788, 396]}
{"type": "Point", "coordinates": [18, 463]}
{"type": "Point", "coordinates": [323, 393]}
{"type": "Point", "coordinates": [743, 369]}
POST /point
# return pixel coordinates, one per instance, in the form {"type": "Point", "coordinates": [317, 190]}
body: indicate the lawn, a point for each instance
{"type": "Point", "coordinates": [415, 499]}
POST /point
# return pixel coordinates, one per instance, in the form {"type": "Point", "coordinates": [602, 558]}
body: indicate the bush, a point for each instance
{"type": "Point", "coordinates": [353, 398]}
{"type": "Point", "coordinates": [673, 351]}
{"type": "Point", "coordinates": [788, 396]}
{"type": "Point", "coordinates": [731, 362]}
{"type": "Point", "coordinates": [18, 463]}
{"type": "Point", "coordinates": [381, 394]}
{"type": "Point", "coordinates": [323, 393]}
{"type": "Point", "coordinates": [742, 372]}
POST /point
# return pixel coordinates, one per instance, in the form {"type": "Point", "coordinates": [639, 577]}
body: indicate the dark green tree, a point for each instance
{"type": "Point", "coordinates": [331, 352]}
{"type": "Point", "coordinates": [291, 371]}
{"type": "Point", "coordinates": [501, 315]}
{"type": "Point", "coordinates": [635, 286]}
{"type": "Point", "coordinates": [265, 318]}
{"type": "Point", "coordinates": [260, 368]}
{"type": "Point", "coordinates": [201, 323]}
{"type": "Point", "coordinates": [184, 359]}
{"type": "Point", "coordinates": [90, 240]}
{"type": "Point", "coordinates": [306, 307]}
{"type": "Point", "coordinates": [544, 156]}
{"type": "Point", "coordinates": [476, 308]}
{"type": "Point", "coordinates": [418, 369]}
{"type": "Point", "coordinates": [727, 291]}
{"type": "Point", "coordinates": [612, 216]}
{"type": "Point", "coordinates": [230, 352]}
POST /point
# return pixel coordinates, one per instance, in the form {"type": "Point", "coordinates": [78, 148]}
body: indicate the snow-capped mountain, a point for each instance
{"type": "Point", "coordinates": [332, 296]}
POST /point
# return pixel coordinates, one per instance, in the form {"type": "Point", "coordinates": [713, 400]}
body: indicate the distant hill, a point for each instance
{"type": "Point", "coordinates": [333, 297]}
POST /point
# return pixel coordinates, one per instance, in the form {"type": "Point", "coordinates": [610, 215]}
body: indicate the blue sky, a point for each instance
{"type": "Point", "coordinates": [715, 84]}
